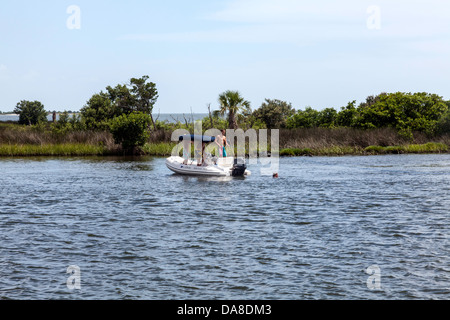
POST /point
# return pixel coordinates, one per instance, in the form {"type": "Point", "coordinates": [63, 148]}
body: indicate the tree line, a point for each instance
{"type": "Point", "coordinates": [126, 110]}
{"type": "Point", "coordinates": [405, 112]}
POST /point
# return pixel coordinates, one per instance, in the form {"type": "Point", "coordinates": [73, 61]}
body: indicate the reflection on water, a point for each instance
{"type": "Point", "coordinates": [138, 231]}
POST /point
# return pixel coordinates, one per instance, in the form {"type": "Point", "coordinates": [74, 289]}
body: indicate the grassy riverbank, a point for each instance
{"type": "Point", "coordinates": [22, 141]}
{"type": "Point", "coordinates": [60, 150]}
{"type": "Point", "coordinates": [165, 149]}
{"type": "Point", "coordinates": [430, 147]}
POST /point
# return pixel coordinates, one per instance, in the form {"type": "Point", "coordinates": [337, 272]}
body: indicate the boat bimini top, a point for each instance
{"type": "Point", "coordinates": [196, 137]}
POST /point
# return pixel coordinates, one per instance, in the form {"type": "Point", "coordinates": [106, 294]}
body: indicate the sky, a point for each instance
{"type": "Point", "coordinates": [319, 53]}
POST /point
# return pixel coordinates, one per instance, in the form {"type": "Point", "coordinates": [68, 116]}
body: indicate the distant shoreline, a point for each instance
{"type": "Point", "coordinates": [169, 117]}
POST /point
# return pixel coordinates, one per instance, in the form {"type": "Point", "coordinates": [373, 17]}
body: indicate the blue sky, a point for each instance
{"type": "Point", "coordinates": [311, 53]}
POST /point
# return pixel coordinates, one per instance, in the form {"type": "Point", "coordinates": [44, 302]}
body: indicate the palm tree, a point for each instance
{"type": "Point", "coordinates": [232, 102]}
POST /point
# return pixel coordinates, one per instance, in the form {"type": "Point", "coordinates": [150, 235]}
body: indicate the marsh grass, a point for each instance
{"type": "Point", "coordinates": [161, 149]}
{"type": "Point", "coordinates": [430, 147]}
{"type": "Point", "coordinates": [24, 135]}
{"type": "Point", "coordinates": [17, 140]}
{"type": "Point", "coordinates": [339, 151]}
{"type": "Point", "coordinates": [293, 152]}
{"type": "Point", "coordinates": [322, 138]}
{"type": "Point", "coordinates": [348, 141]}
{"type": "Point", "coordinates": [52, 150]}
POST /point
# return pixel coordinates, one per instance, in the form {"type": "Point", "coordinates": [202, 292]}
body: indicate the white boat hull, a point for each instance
{"type": "Point", "coordinates": [223, 168]}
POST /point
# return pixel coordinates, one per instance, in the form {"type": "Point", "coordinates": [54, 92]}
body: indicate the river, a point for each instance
{"type": "Point", "coordinates": [133, 230]}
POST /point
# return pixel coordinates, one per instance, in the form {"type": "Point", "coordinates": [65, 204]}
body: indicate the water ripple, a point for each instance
{"type": "Point", "coordinates": [139, 232]}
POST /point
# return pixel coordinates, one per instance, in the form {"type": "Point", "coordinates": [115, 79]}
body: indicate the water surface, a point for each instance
{"type": "Point", "coordinates": [137, 231]}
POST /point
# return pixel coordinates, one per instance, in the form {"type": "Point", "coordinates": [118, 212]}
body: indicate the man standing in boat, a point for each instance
{"type": "Point", "coordinates": [222, 143]}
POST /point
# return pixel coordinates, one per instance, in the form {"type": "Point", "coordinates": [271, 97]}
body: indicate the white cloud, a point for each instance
{"type": "Point", "coordinates": [265, 21]}
{"type": "Point", "coordinates": [3, 67]}
{"type": "Point", "coordinates": [400, 18]}
{"type": "Point", "coordinates": [235, 34]}
{"type": "Point", "coordinates": [432, 46]}
{"type": "Point", "coordinates": [303, 22]}
{"type": "Point", "coordinates": [270, 11]}
{"type": "Point", "coordinates": [286, 11]}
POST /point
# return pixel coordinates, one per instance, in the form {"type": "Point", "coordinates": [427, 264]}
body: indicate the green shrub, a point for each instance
{"type": "Point", "coordinates": [30, 112]}
{"type": "Point", "coordinates": [444, 123]}
{"type": "Point", "coordinates": [406, 112]}
{"type": "Point", "coordinates": [67, 124]}
{"type": "Point", "coordinates": [131, 130]}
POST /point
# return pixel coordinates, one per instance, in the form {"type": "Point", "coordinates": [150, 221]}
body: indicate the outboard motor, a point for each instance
{"type": "Point", "coordinates": [239, 167]}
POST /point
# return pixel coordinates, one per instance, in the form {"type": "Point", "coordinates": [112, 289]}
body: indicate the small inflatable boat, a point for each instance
{"type": "Point", "coordinates": [211, 166]}
{"type": "Point", "coordinates": [215, 167]}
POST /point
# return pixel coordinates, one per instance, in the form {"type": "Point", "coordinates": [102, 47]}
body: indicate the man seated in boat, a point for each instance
{"type": "Point", "coordinates": [187, 150]}
{"type": "Point", "coordinates": [201, 156]}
